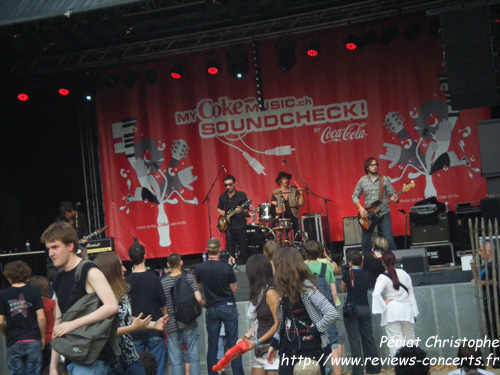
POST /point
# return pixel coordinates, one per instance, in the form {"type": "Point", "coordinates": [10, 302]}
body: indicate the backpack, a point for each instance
{"type": "Point", "coordinates": [85, 344]}
{"type": "Point", "coordinates": [323, 286]}
{"type": "Point", "coordinates": [186, 306]}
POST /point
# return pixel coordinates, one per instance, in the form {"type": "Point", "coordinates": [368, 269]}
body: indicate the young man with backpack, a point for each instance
{"type": "Point", "coordinates": [325, 278]}
{"type": "Point", "coordinates": [61, 241]}
{"type": "Point", "coordinates": [184, 303]}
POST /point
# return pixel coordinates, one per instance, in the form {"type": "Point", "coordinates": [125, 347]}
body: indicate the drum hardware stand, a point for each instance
{"type": "Point", "coordinates": [207, 199]}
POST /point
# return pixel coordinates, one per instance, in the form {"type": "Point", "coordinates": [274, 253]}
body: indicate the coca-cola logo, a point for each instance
{"type": "Point", "coordinates": [349, 133]}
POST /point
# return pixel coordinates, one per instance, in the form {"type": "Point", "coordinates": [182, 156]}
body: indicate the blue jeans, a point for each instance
{"type": "Point", "coordinates": [135, 368]}
{"type": "Point", "coordinates": [25, 358]}
{"type": "Point", "coordinates": [96, 368]}
{"type": "Point", "coordinates": [192, 339]}
{"type": "Point", "coordinates": [156, 346]}
{"type": "Point", "coordinates": [214, 316]}
{"type": "Point", "coordinates": [385, 225]}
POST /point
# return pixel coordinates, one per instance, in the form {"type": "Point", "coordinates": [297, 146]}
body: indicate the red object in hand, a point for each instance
{"type": "Point", "coordinates": [231, 354]}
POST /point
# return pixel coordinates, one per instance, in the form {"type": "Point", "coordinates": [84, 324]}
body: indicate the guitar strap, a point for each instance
{"type": "Point", "coordinates": [381, 188]}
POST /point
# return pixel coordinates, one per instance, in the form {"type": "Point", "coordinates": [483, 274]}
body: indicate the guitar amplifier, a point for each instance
{"type": "Point", "coordinates": [352, 230]}
{"type": "Point", "coordinates": [101, 245]}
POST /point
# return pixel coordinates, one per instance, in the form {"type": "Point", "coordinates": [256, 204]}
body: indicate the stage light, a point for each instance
{"type": "Point", "coordinates": [213, 67]}
{"type": "Point", "coordinates": [313, 48]}
{"type": "Point", "coordinates": [89, 98]}
{"type": "Point", "coordinates": [412, 31]}
{"type": "Point", "coordinates": [237, 63]}
{"type": "Point", "coordinates": [62, 91]}
{"type": "Point", "coordinates": [368, 38]}
{"type": "Point", "coordinates": [23, 97]}
{"type": "Point", "coordinates": [131, 78]}
{"type": "Point", "coordinates": [389, 35]}
{"type": "Point", "coordinates": [151, 76]}
{"type": "Point", "coordinates": [286, 55]}
{"type": "Point", "coordinates": [176, 71]}
{"type": "Point", "coordinates": [351, 42]}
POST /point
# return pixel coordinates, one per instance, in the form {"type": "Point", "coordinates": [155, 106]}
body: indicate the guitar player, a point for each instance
{"type": "Point", "coordinates": [375, 190]}
{"type": "Point", "coordinates": [77, 220]}
{"type": "Point", "coordinates": [231, 200]}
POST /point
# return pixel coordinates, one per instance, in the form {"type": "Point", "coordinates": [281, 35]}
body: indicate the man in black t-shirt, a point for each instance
{"type": "Point", "coordinates": [22, 320]}
{"type": "Point", "coordinates": [147, 297]}
{"type": "Point", "coordinates": [61, 241]}
{"type": "Point", "coordinates": [218, 282]}
{"type": "Point", "coordinates": [229, 201]}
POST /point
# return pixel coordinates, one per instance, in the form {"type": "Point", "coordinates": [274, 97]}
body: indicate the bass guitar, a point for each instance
{"type": "Point", "coordinates": [376, 207]}
{"type": "Point", "coordinates": [224, 221]}
{"type": "Point", "coordinates": [92, 235]}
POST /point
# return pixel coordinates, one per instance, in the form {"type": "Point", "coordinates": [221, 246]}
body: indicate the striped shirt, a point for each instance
{"type": "Point", "coordinates": [371, 190]}
{"type": "Point", "coordinates": [321, 312]}
{"type": "Point", "coordinates": [167, 283]}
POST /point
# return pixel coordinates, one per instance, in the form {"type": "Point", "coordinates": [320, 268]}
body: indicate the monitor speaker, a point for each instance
{"type": "Point", "coordinates": [422, 234]}
{"type": "Point", "coordinates": [412, 260]}
{"type": "Point", "coordinates": [352, 231]}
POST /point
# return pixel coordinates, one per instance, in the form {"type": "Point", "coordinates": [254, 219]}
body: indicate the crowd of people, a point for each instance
{"type": "Point", "coordinates": [294, 311]}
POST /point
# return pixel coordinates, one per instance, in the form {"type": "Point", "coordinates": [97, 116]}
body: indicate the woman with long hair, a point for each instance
{"type": "Point", "coordinates": [262, 313]}
{"type": "Point", "coordinates": [470, 359]}
{"type": "Point", "coordinates": [304, 314]}
{"type": "Point", "coordinates": [357, 317]}
{"type": "Point", "coordinates": [397, 306]}
{"type": "Point", "coordinates": [128, 362]}
{"type": "Point", "coordinates": [372, 261]}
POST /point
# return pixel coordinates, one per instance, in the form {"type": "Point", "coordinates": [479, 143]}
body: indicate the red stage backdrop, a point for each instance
{"type": "Point", "coordinates": [163, 145]}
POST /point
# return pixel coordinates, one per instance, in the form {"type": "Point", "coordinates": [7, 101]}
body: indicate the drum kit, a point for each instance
{"type": "Point", "coordinates": [270, 226]}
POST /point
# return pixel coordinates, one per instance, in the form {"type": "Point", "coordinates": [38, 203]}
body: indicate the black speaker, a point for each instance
{"type": "Point", "coordinates": [423, 234]}
{"type": "Point", "coordinates": [352, 231]}
{"type": "Point", "coordinates": [469, 58]}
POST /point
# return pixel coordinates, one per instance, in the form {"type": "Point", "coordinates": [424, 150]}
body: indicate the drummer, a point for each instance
{"type": "Point", "coordinates": [287, 200]}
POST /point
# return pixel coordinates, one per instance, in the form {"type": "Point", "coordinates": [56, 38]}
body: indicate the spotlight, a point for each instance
{"type": "Point", "coordinates": [131, 78]}
{"type": "Point", "coordinates": [412, 31]}
{"type": "Point", "coordinates": [89, 98]}
{"type": "Point", "coordinates": [62, 91]}
{"type": "Point", "coordinates": [370, 37]}
{"type": "Point", "coordinates": [23, 97]}
{"type": "Point", "coordinates": [213, 67]}
{"type": "Point", "coordinates": [151, 76]}
{"type": "Point", "coordinates": [176, 71]}
{"type": "Point", "coordinates": [237, 63]}
{"type": "Point", "coordinates": [313, 48]}
{"type": "Point", "coordinates": [389, 35]}
{"type": "Point", "coordinates": [286, 55]}
{"type": "Point", "coordinates": [351, 42]}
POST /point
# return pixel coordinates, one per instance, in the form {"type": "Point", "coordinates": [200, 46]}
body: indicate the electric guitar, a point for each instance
{"type": "Point", "coordinates": [376, 207]}
{"type": "Point", "coordinates": [224, 221]}
{"type": "Point", "coordinates": [92, 235]}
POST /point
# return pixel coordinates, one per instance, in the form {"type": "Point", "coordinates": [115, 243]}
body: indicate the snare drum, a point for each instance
{"type": "Point", "coordinates": [267, 213]}
{"type": "Point", "coordinates": [283, 224]}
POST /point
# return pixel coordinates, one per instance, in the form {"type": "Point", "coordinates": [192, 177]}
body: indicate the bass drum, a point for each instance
{"type": "Point", "coordinates": [257, 236]}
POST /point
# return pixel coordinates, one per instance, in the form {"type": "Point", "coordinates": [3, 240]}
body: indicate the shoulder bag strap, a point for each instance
{"type": "Point", "coordinates": [323, 270]}
{"type": "Point", "coordinates": [78, 274]}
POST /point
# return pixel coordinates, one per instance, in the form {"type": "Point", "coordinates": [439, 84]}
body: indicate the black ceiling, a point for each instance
{"type": "Point", "coordinates": [148, 29]}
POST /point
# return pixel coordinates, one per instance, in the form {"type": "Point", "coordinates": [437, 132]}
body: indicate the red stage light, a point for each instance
{"type": "Point", "coordinates": [213, 70]}
{"type": "Point", "coordinates": [175, 75]}
{"type": "Point", "coordinates": [312, 52]}
{"type": "Point", "coordinates": [63, 91]}
{"type": "Point", "coordinates": [213, 67]}
{"type": "Point", "coordinates": [351, 46]}
{"type": "Point", "coordinates": [23, 97]}
{"type": "Point", "coordinates": [313, 48]}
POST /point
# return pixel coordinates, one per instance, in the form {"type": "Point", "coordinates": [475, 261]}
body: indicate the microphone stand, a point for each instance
{"type": "Point", "coordinates": [406, 223]}
{"type": "Point", "coordinates": [207, 199]}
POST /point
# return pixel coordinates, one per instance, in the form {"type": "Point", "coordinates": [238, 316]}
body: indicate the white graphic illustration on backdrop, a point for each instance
{"type": "Point", "coordinates": [157, 186]}
{"type": "Point", "coordinates": [434, 121]}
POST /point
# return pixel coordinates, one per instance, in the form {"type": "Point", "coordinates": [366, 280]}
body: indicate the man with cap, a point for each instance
{"type": "Point", "coordinates": [288, 199]}
{"type": "Point", "coordinates": [218, 282]}
{"type": "Point", "coordinates": [233, 200]}
{"type": "Point", "coordinates": [147, 297]}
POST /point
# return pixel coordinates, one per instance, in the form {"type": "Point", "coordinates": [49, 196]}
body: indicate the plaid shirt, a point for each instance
{"type": "Point", "coordinates": [371, 191]}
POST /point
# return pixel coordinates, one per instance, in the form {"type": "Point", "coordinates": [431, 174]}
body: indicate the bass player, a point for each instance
{"type": "Point", "coordinates": [231, 201]}
{"type": "Point", "coordinates": [376, 188]}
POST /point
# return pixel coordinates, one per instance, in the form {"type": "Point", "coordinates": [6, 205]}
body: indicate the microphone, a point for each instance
{"type": "Point", "coordinates": [223, 167]}
{"type": "Point", "coordinates": [402, 211]}
{"type": "Point", "coordinates": [283, 162]}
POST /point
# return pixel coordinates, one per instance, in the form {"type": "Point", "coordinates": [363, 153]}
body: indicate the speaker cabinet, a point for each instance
{"type": "Point", "coordinates": [352, 231]}
{"type": "Point", "coordinates": [440, 232]}
{"type": "Point", "coordinates": [412, 260]}
{"type": "Point", "coordinates": [315, 227]}
{"type": "Point", "coordinates": [469, 58]}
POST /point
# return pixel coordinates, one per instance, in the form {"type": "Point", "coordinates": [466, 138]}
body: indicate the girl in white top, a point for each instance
{"type": "Point", "coordinates": [398, 306]}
